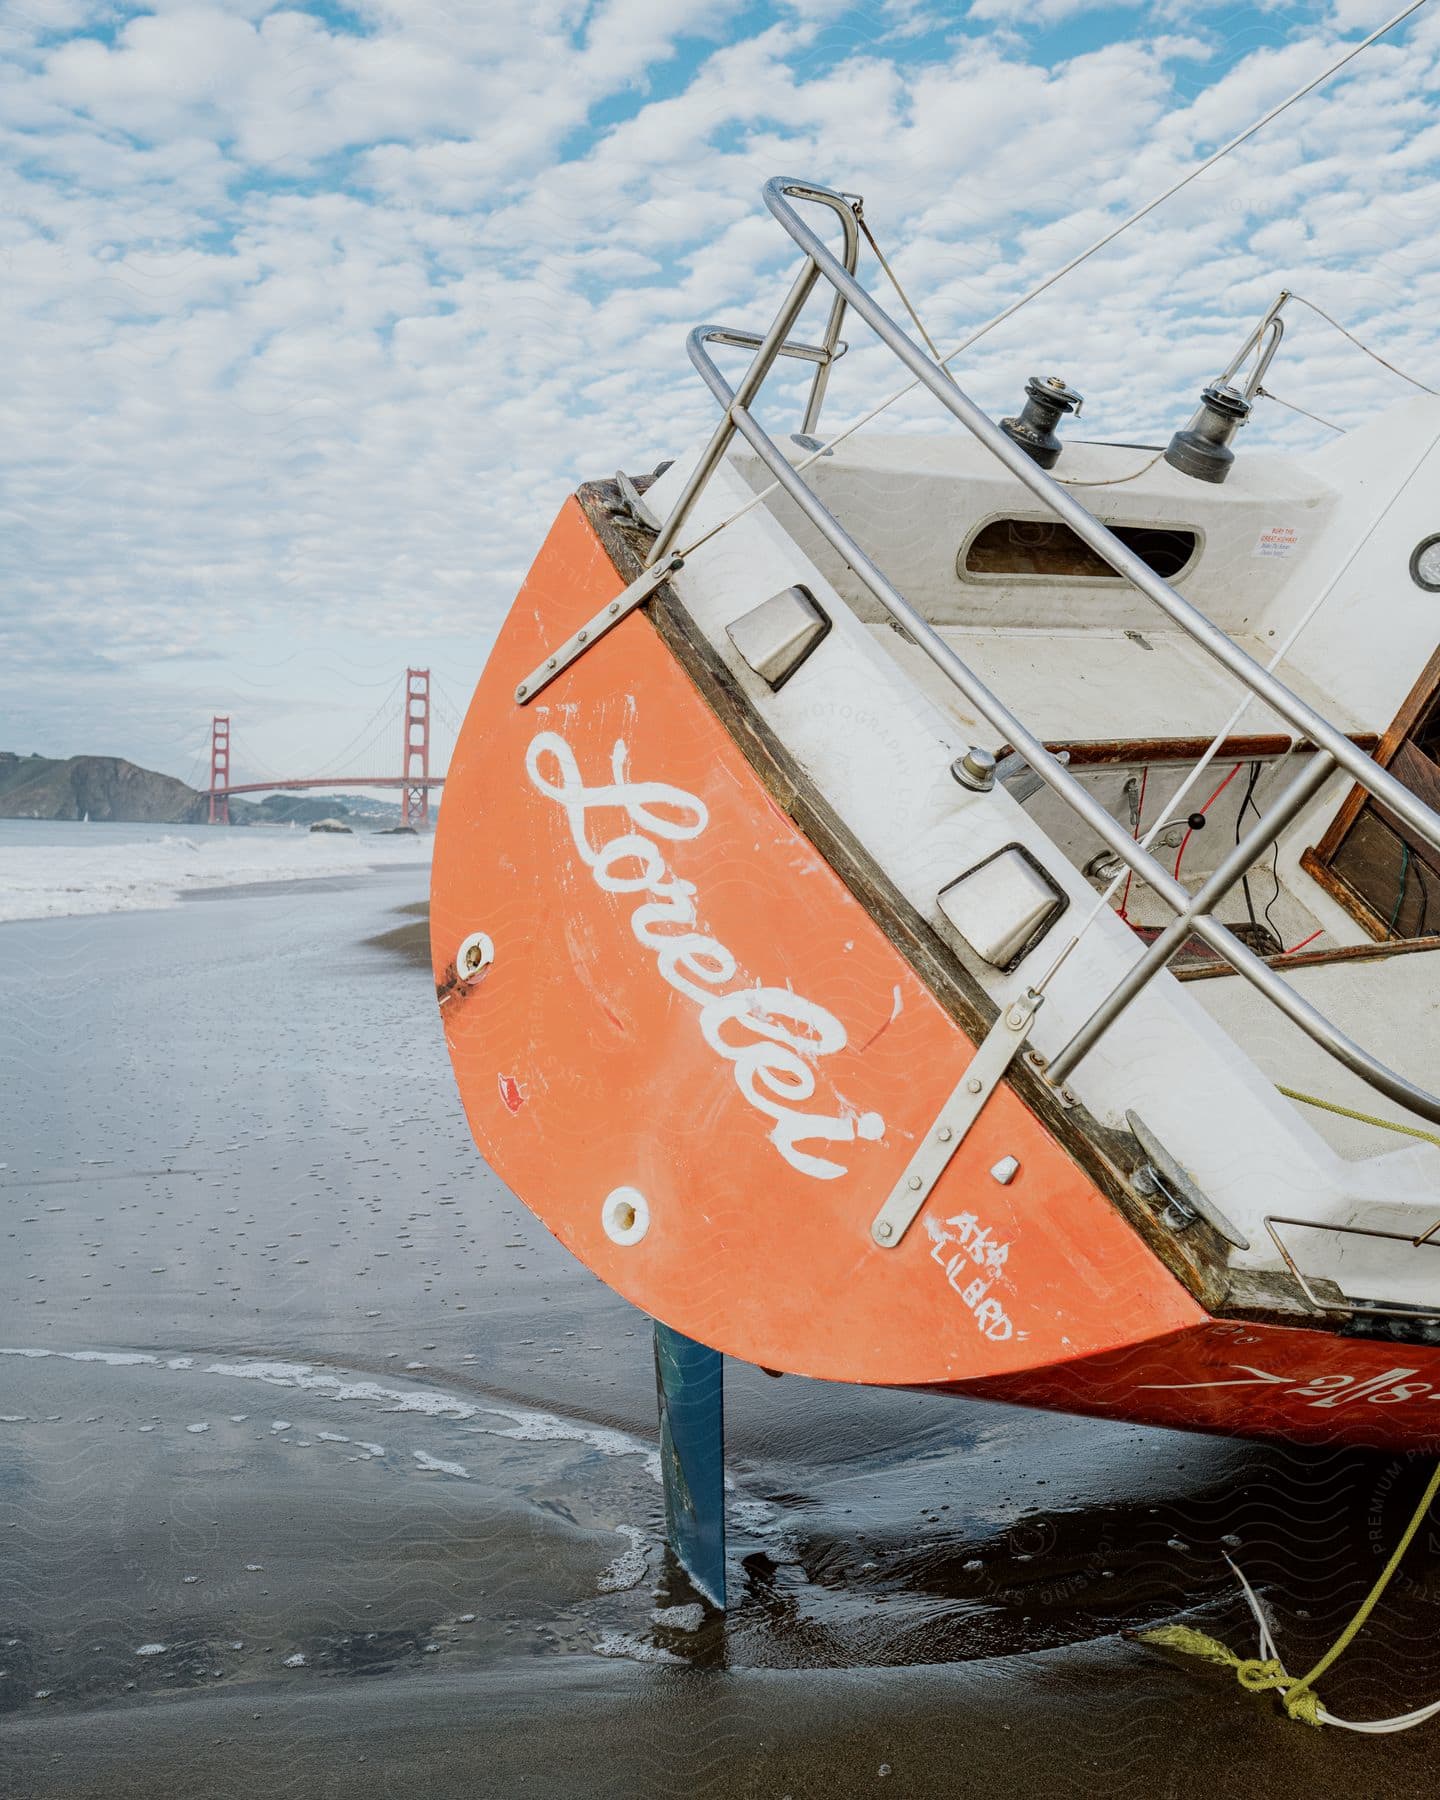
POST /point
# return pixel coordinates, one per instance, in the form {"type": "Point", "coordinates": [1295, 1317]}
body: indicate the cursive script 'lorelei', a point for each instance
{"type": "Point", "coordinates": [770, 1036]}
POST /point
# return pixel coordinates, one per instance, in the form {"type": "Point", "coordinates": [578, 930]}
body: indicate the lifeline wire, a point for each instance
{"type": "Point", "coordinates": [1374, 355]}
{"type": "Point", "coordinates": [1100, 243]}
{"type": "Point", "coordinates": [1009, 311]}
{"type": "Point", "coordinates": [864, 225]}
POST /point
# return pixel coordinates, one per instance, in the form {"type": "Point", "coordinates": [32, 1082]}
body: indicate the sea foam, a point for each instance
{"type": "Point", "coordinates": [104, 869]}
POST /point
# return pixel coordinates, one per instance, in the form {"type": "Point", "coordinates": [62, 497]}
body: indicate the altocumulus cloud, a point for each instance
{"type": "Point", "coordinates": [315, 314]}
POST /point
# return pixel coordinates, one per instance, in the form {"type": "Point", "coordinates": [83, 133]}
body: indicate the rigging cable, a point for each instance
{"type": "Point", "coordinates": [1265, 394]}
{"type": "Point", "coordinates": [1102, 902]}
{"type": "Point", "coordinates": [859, 210]}
{"type": "Point", "coordinates": [1375, 354]}
{"type": "Point", "coordinates": [762, 494]}
{"type": "Point", "coordinates": [1064, 480]}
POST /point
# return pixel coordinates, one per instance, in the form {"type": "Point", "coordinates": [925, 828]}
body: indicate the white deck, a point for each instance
{"type": "Point", "coordinates": [1404, 991]}
{"type": "Point", "coordinates": [1091, 683]}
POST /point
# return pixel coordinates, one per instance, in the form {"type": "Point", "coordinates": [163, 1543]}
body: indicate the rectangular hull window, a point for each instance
{"type": "Point", "coordinates": [1046, 550]}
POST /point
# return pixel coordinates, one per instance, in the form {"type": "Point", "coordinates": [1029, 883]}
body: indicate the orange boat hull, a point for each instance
{"type": "Point", "coordinates": [701, 1062]}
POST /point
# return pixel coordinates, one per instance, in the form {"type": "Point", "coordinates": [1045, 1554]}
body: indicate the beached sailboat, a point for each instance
{"type": "Point", "coordinates": [963, 912]}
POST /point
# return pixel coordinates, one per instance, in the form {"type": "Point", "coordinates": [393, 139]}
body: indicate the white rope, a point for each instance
{"type": "Point", "coordinates": [1074, 263]}
{"type": "Point", "coordinates": [1114, 480]}
{"type": "Point", "coordinates": [1371, 1727]}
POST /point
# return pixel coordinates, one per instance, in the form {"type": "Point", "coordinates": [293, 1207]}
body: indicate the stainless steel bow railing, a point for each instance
{"type": "Point", "coordinates": [773, 344]}
{"type": "Point", "coordinates": [1333, 749]}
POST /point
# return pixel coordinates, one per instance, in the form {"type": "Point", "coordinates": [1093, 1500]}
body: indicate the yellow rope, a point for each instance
{"type": "Point", "coordinates": [1258, 1674]}
{"type": "Point", "coordinates": [1349, 1112]}
{"type": "Point", "coordinates": [1261, 1674]}
{"type": "Point", "coordinates": [1254, 1673]}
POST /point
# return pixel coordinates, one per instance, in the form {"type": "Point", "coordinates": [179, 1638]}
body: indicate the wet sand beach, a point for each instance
{"type": "Point", "coordinates": [325, 1471]}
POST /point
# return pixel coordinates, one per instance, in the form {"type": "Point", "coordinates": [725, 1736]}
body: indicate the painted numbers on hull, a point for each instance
{"type": "Point", "coordinates": [1328, 1391]}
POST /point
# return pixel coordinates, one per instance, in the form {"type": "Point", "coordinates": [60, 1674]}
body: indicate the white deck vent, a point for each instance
{"type": "Point", "coordinates": [1003, 906]}
{"type": "Point", "coordinates": [775, 637]}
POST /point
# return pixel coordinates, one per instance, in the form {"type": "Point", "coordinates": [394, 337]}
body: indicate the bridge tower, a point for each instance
{"type": "Point", "coordinates": [415, 768]}
{"type": "Point", "coordinates": [219, 770]}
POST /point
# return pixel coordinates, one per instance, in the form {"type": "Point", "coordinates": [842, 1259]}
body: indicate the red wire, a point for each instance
{"type": "Point", "coordinates": [1179, 854]}
{"type": "Point", "coordinates": [1139, 815]}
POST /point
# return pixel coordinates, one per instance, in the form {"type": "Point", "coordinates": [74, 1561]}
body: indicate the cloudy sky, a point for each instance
{"type": "Point", "coordinates": [314, 313]}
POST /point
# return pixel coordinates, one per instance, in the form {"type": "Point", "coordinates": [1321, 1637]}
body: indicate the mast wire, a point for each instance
{"type": "Point", "coordinates": [1375, 354]}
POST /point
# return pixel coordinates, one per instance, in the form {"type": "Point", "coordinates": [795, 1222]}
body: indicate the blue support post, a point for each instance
{"type": "Point", "coordinates": [690, 1386]}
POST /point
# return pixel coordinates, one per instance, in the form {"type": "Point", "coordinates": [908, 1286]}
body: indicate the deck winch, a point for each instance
{"type": "Point", "coordinates": [1202, 449]}
{"type": "Point", "coordinates": [1047, 400]}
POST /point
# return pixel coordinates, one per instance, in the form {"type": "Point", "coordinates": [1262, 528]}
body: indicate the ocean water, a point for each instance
{"type": "Point", "coordinates": [325, 1470]}
{"type": "Point", "coordinates": [61, 869]}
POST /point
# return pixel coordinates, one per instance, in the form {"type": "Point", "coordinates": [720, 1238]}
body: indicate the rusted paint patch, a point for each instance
{"type": "Point", "coordinates": [451, 986]}
{"type": "Point", "coordinates": [511, 1093]}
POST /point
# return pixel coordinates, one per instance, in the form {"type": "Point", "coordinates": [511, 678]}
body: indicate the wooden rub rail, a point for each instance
{"type": "Point", "coordinates": [1311, 959]}
{"type": "Point", "coordinates": [1098, 753]}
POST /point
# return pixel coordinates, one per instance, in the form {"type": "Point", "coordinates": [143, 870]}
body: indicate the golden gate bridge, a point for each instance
{"type": "Point", "coordinates": [414, 780]}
